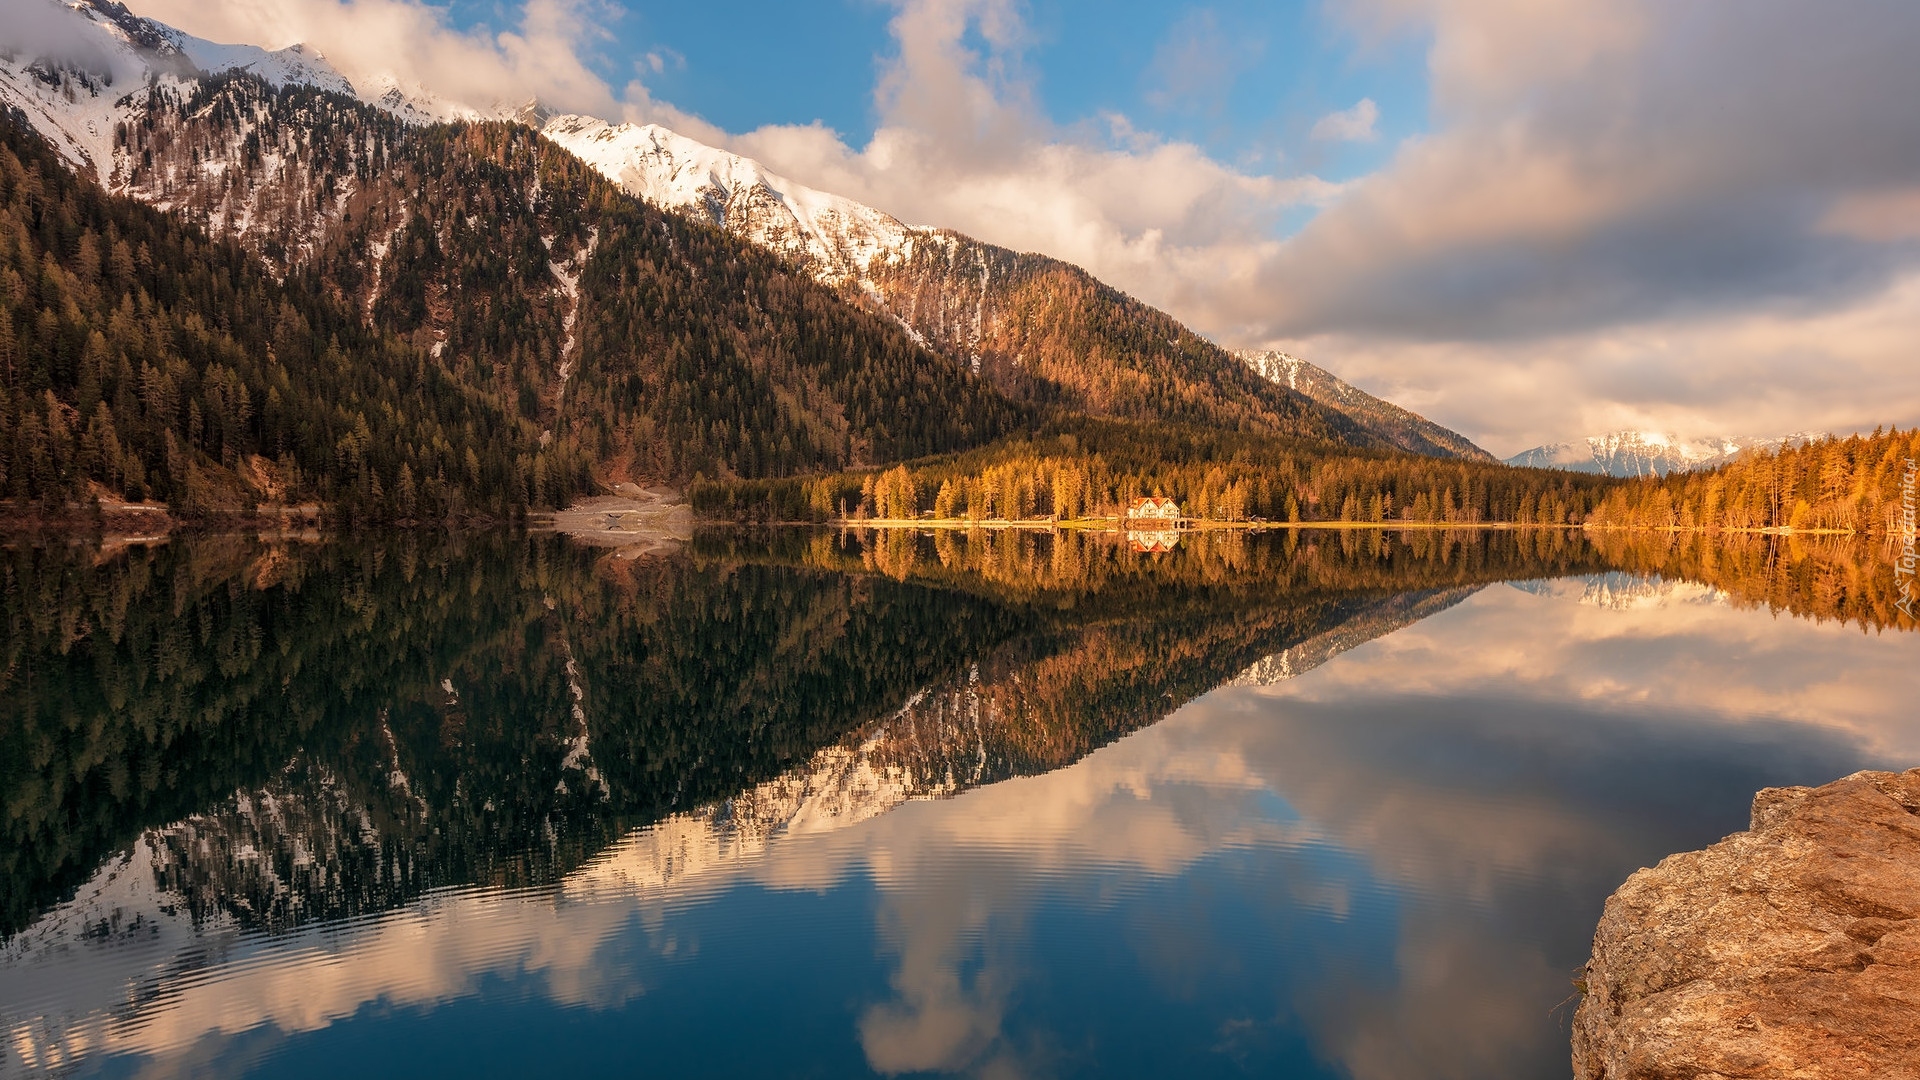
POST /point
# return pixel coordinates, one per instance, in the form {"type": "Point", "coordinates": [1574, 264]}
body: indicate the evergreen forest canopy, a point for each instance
{"type": "Point", "coordinates": [1082, 468]}
{"type": "Point", "coordinates": [141, 356]}
{"type": "Point", "coordinates": [457, 321]}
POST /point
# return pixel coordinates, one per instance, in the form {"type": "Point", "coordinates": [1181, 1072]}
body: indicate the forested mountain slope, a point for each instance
{"type": "Point", "coordinates": [299, 173]}
{"type": "Point", "coordinates": [651, 343]}
{"type": "Point", "coordinates": [139, 354]}
{"type": "Point", "coordinates": [483, 323]}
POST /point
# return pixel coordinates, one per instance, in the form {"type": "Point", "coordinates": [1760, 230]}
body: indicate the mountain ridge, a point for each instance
{"type": "Point", "coordinates": [1400, 427]}
{"type": "Point", "coordinates": [1629, 454]}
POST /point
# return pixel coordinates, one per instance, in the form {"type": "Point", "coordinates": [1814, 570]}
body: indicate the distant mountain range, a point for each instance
{"type": "Point", "coordinates": [1406, 430]}
{"type": "Point", "coordinates": [1650, 453]}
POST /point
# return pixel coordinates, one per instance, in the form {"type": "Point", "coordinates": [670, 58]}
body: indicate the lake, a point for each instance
{"type": "Point", "coordinates": [815, 803]}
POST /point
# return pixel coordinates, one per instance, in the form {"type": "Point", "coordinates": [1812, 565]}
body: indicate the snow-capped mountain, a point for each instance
{"type": "Point", "coordinates": [1407, 430]}
{"type": "Point", "coordinates": [101, 83]}
{"type": "Point", "coordinates": [110, 89]}
{"type": "Point", "coordinates": [1650, 453]}
{"type": "Point", "coordinates": [1383, 618]}
{"type": "Point", "coordinates": [841, 242]}
{"type": "Point", "coordinates": [1033, 325]}
{"type": "Point", "coordinates": [73, 68]}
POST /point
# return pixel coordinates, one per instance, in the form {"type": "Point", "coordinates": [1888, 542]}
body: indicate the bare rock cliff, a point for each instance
{"type": "Point", "coordinates": [1789, 950]}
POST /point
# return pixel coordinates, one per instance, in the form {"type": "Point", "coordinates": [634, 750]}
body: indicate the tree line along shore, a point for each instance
{"type": "Point", "coordinates": [1092, 473]}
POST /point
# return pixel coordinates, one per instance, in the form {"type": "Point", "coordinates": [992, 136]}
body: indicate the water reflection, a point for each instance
{"type": "Point", "coordinates": [999, 804]}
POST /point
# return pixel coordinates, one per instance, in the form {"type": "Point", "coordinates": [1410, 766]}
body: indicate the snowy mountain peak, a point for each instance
{"type": "Point", "coordinates": [1651, 453]}
{"type": "Point", "coordinates": [72, 65]}
{"type": "Point", "coordinates": [836, 238]}
{"type": "Point", "coordinates": [1285, 368]}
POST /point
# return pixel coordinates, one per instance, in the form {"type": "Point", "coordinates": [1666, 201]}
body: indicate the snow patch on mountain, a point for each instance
{"type": "Point", "coordinates": [1290, 371]}
{"type": "Point", "coordinates": [1651, 453]}
{"type": "Point", "coordinates": [295, 65]}
{"type": "Point", "coordinates": [836, 238]}
{"type": "Point", "coordinates": [1384, 618]}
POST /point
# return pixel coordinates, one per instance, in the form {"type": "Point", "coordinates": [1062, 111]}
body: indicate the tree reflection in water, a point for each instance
{"type": "Point", "coordinates": [290, 733]}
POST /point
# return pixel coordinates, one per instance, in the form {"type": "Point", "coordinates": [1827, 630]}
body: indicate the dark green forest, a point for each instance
{"type": "Point", "coordinates": [420, 358]}
{"type": "Point", "coordinates": [139, 355]}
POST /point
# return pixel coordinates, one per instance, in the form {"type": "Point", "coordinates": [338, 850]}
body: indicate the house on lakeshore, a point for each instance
{"type": "Point", "coordinates": [1155, 510]}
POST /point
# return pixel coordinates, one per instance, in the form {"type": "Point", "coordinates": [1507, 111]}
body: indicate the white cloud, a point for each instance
{"type": "Point", "coordinates": [544, 56]}
{"type": "Point", "coordinates": [1349, 125]}
{"type": "Point", "coordinates": [661, 60]}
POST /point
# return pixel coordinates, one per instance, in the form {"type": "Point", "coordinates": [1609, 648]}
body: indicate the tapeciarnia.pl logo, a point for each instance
{"type": "Point", "coordinates": [1903, 568]}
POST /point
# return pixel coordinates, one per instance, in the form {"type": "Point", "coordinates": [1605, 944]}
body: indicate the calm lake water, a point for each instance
{"type": "Point", "coordinates": [805, 803]}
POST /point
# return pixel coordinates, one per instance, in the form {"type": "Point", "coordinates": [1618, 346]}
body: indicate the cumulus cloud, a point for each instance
{"type": "Point", "coordinates": [370, 41]}
{"type": "Point", "coordinates": [1694, 216]}
{"type": "Point", "coordinates": [962, 144]}
{"type": "Point", "coordinates": [1349, 125]}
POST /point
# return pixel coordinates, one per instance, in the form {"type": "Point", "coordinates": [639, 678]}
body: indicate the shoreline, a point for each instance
{"type": "Point", "coordinates": [631, 511]}
{"type": "Point", "coordinates": [1126, 525]}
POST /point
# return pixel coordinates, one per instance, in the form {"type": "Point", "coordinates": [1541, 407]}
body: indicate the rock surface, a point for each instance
{"type": "Point", "coordinates": [1789, 950]}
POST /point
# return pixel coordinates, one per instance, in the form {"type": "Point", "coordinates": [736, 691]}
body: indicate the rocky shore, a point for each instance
{"type": "Point", "coordinates": [1788, 950]}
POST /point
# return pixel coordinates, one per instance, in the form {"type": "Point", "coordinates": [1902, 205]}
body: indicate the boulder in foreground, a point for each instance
{"type": "Point", "coordinates": [1789, 950]}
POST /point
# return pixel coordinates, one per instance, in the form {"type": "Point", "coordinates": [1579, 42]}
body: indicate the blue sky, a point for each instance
{"type": "Point", "coordinates": [1244, 79]}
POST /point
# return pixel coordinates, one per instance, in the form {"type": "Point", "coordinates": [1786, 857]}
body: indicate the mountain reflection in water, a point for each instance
{"type": "Point", "coordinates": [816, 803]}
